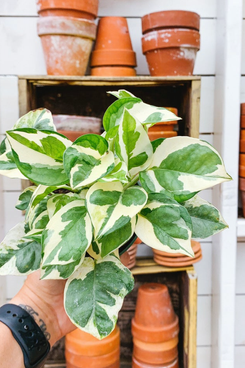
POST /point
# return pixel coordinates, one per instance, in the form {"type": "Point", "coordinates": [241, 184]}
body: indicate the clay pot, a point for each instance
{"type": "Point", "coordinates": [170, 19]}
{"type": "Point", "coordinates": [138, 364]}
{"type": "Point", "coordinates": [72, 136]}
{"type": "Point", "coordinates": [242, 121]}
{"type": "Point", "coordinates": [161, 134]}
{"type": "Point", "coordinates": [242, 189]}
{"type": "Point", "coordinates": [86, 9]}
{"type": "Point", "coordinates": [67, 43]}
{"type": "Point", "coordinates": [80, 342]}
{"type": "Point", "coordinates": [128, 258]}
{"type": "Point", "coordinates": [242, 159]}
{"type": "Point", "coordinates": [243, 108]}
{"type": "Point", "coordinates": [242, 145]}
{"type": "Point", "coordinates": [242, 134]}
{"type": "Point", "coordinates": [196, 246]}
{"type": "Point", "coordinates": [242, 171]}
{"type": "Point", "coordinates": [156, 353]}
{"type": "Point", "coordinates": [113, 71]}
{"type": "Point", "coordinates": [154, 319]}
{"type": "Point", "coordinates": [113, 57]}
{"type": "Point", "coordinates": [171, 51]}
{"type": "Point", "coordinates": [85, 124]}
{"type": "Point", "coordinates": [161, 127]}
{"type": "Point", "coordinates": [176, 264]}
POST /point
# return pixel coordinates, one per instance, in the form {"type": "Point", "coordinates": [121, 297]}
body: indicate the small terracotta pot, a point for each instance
{"type": "Point", "coordinates": [243, 108]}
{"type": "Point", "coordinates": [161, 127]}
{"type": "Point", "coordinates": [171, 51]}
{"type": "Point", "coordinates": [128, 258]}
{"type": "Point", "coordinates": [72, 135]}
{"type": "Point", "coordinates": [113, 57]}
{"type": "Point", "coordinates": [114, 365]}
{"type": "Point", "coordinates": [170, 19]}
{"type": "Point", "coordinates": [242, 190]}
{"type": "Point", "coordinates": [138, 364]}
{"type": "Point", "coordinates": [242, 171]}
{"type": "Point", "coordinates": [174, 110]}
{"type": "Point", "coordinates": [82, 343]}
{"type": "Point", "coordinates": [113, 71]}
{"type": "Point", "coordinates": [242, 184]}
{"type": "Point", "coordinates": [86, 9]}
{"type": "Point", "coordinates": [67, 43]}
{"type": "Point", "coordinates": [242, 121]}
{"type": "Point", "coordinates": [196, 246]}
{"type": "Point", "coordinates": [167, 263]}
{"type": "Point", "coordinates": [177, 259]}
{"type": "Point", "coordinates": [242, 134]}
{"type": "Point", "coordinates": [85, 124]}
{"type": "Point", "coordinates": [100, 361]}
{"type": "Point", "coordinates": [154, 319]}
{"type": "Point", "coordinates": [161, 134]}
{"type": "Point", "coordinates": [242, 145]}
{"type": "Point", "coordinates": [242, 159]}
{"type": "Point", "coordinates": [156, 353]}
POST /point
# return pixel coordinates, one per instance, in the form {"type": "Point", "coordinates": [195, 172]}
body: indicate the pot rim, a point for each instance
{"type": "Point", "coordinates": [67, 26]}
{"type": "Point", "coordinates": [167, 38]}
{"type": "Point", "coordinates": [113, 57]}
{"type": "Point", "coordinates": [84, 6]}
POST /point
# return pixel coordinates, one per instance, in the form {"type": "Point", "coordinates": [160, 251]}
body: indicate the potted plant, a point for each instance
{"type": "Point", "coordinates": [92, 198]}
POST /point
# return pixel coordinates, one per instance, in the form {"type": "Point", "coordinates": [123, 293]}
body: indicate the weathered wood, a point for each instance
{"type": "Point", "coordinates": [194, 108]}
{"type": "Point", "coordinates": [24, 104]}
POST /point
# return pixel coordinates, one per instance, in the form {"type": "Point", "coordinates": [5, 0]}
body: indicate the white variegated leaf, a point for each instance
{"type": "Point", "coordinates": [66, 239]}
{"type": "Point", "coordinates": [39, 155]}
{"type": "Point", "coordinates": [165, 225]}
{"type": "Point", "coordinates": [57, 201]}
{"type": "Point", "coordinates": [19, 256]}
{"type": "Point", "coordinates": [25, 198]}
{"type": "Point", "coordinates": [7, 164]}
{"type": "Point", "coordinates": [119, 173]}
{"type": "Point", "coordinates": [88, 160]}
{"type": "Point", "coordinates": [184, 165]}
{"type": "Point", "coordinates": [40, 119]}
{"type": "Point", "coordinates": [94, 294]}
{"type": "Point", "coordinates": [206, 219]}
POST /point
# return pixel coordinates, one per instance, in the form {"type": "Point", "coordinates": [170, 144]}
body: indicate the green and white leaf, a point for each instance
{"type": "Point", "coordinates": [112, 211]}
{"type": "Point", "coordinates": [88, 160]}
{"type": "Point", "coordinates": [121, 93]}
{"type": "Point", "coordinates": [165, 225]}
{"type": "Point", "coordinates": [206, 219]}
{"type": "Point", "coordinates": [119, 173]}
{"type": "Point", "coordinates": [66, 239]}
{"type": "Point", "coordinates": [19, 256]}
{"type": "Point", "coordinates": [132, 145]}
{"type": "Point", "coordinates": [7, 164]}
{"type": "Point", "coordinates": [57, 201]}
{"type": "Point", "coordinates": [25, 198]}
{"type": "Point", "coordinates": [184, 166]}
{"type": "Point", "coordinates": [39, 155]}
{"type": "Point", "coordinates": [94, 294]}
{"type": "Point", "coordinates": [40, 119]}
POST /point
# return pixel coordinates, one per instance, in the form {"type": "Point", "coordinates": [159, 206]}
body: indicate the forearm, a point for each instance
{"type": "Point", "coordinates": [10, 351]}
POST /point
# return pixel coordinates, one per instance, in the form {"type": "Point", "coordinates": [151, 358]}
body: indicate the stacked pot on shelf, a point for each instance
{"type": "Point", "coordinates": [242, 157]}
{"type": "Point", "coordinates": [155, 329]}
{"type": "Point", "coordinates": [170, 42]}
{"type": "Point", "coordinates": [84, 350]}
{"type": "Point", "coordinates": [164, 129]}
{"type": "Point", "coordinates": [67, 30]}
{"type": "Point", "coordinates": [113, 54]}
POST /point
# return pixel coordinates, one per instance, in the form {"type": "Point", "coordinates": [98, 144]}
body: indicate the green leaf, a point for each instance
{"type": "Point", "coordinates": [19, 256]}
{"type": "Point", "coordinates": [119, 173]}
{"type": "Point", "coordinates": [112, 211]}
{"type": "Point", "coordinates": [40, 119]}
{"type": "Point", "coordinates": [7, 164]}
{"type": "Point", "coordinates": [25, 197]}
{"type": "Point", "coordinates": [184, 166]}
{"type": "Point", "coordinates": [58, 201]}
{"type": "Point", "coordinates": [39, 155]}
{"type": "Point", "coordinates": [121, 93]}
{"type": "Point", "coordinates": [94, 295]}
{"type": "Point", "coordinates": [65, 240]}
{"type": "Point", "coordinates": [206, 219]}
{"type": "Point", "coordinates": [165, 225]}
{"type": "Point", "coordinates": [88, 160]}
{"type": "Point", "coordinates": [132, 145]}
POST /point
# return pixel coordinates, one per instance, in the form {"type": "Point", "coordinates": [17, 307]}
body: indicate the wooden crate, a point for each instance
{"type": "Point", "coordinates": [87, 95]}
{"type": "Point", "coordinates": [182, 285]}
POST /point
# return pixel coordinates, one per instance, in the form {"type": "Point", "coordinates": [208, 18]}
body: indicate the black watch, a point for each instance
{"type": "Point", "coordinates": [27, 333]}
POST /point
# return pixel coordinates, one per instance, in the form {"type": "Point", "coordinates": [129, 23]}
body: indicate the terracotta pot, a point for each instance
{"type": "Point", "coordinates": [242, 171]}
{"type": "Point", "coordinates": [242, 159]}
{"type": "Point", "coordinates": [156, 353]}
{"type": "Point", "coordinates": [100, 361]}
{"type": "Point", "coordinates": [171, 51]}
{"type": "Point", "coordinates": [113, 71]}
{"type": "Point", "coordinates": [196, 246]}
{"type": "Point", "coordinates": [67, 43]}
{"type": "Point", "coordinates": [114, 365]}
{"type": "Point", "coordinates": [85, 124]}
{"type": "Point", "coordinates": [113, 57]}
{"type": "Point", "coordinates": [161, 127]}
{"type": "Point", "coordinates": [242, 145]}
{"type": "Point", "coordinates": [72, 135]}
{"type": "Point", "coordinates": [128, 258]}
{"type": "Point", "coordinates": [161, 134]}
{"type": "Point", "coordinates": [177, 259]}
{"type": "Point", "coordinates": [242, 134]}
{"type": "Point", "coordinates": [165, 262]}
{"type": "Point", "coordinates": [86, 9]}
{"type": "Point", "coordinates": [243, 108]}
{"type": "Point", "coordinates": [242, 184]}
{"type": "Point", "coordinates": [242, 190]}
{"type": "Point", "coordinates": [138, 364]}
{"type": "Point", "coordinates": [242, 121]}
{"type": "Point", "coordinates": [154, 319]}
{"type": "Point", "coordinates": [174, 110]}
{"type": "Point", "coordinates": [170, 19]}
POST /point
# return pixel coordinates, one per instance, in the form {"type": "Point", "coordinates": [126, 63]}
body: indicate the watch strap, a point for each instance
{"type": "Point", "coordinates": [27, 333]}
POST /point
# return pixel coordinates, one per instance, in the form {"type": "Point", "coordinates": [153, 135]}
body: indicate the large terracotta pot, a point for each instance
{"type": "Point", "coordinates": [128, 258]}
{"type": "Point", "coordinates": [76, 123]}
{"type": "Point", "coordinates": [161, 134]}
{"type": "Point", "coordinates": [242, 190]}
{"type": "Point", "coordinates": [86, 9]}
{"type": "Point", "coordinates": [138, 364]}
{"type": "Point", "coordinates": [156, 353]}
{"type": "Point", "coordinates": [154, 319]}
{"type": "Point", "coordinates": [170, 19]}
{"type": "Point", "coordinates": [67, 43]}
{"type": "Point", "coordinates": [113, 71]}
{"type": "Point", "coordinates": [171, 51]}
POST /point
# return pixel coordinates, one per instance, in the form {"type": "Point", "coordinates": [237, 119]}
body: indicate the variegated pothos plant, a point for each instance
{"type": "Point", "coordinates": [90, 197]}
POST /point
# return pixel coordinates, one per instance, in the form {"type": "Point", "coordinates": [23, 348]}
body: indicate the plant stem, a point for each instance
{"type": "Point", "coordinates": [133, 181]}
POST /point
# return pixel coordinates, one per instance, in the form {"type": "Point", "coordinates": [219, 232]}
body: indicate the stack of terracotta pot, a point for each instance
{"type": "Point", "coordinates": [67, 30]}
{"type": "Point", "coordinates": [242, 157]}
{"type": "Point", "coordinates": [84, 350]}
{"type": "Point", "coordinates": [155, 329]}
{"type": "Point", "coordinates": [164, 129]}
{"type": "Point", "coordinates": [73, 126]}
{"type": "Point", "coordinates": [170, 42]}
{"type": "Point", "coordinates": [128, 258]}
{"type": "Point", "coordinates": [178, 259]}
{"type": "Point", "coordinates": [113, 54]}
